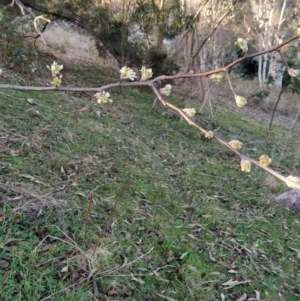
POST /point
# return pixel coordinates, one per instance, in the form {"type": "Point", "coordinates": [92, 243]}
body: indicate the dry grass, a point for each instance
{"type": "Point", "coordinates": [288, 105]}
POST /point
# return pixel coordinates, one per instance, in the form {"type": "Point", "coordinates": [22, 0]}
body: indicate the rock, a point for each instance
{"type": "Point", "coordinates": [290, 199]}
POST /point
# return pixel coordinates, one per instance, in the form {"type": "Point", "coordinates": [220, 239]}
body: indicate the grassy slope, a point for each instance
{"type": "Point", "coordinates": [172, 215]}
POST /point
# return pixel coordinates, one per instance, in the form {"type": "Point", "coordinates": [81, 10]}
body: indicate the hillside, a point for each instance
{"type": "Point", "coordinates": [125, 201]}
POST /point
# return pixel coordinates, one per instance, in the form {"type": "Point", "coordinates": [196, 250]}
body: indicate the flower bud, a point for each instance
{"type": "Point", "coordinates": [235, 144]}
{"type": "Point", "coordinates": [294, 179]}
{"type": "Point", "coordinates": [245, 165]}
{"type": "Point", "coordinates": [55, 68]}
{"type": "Point", "coordinates": [57, 80]}
{"type": "Point", "coordinates": [242, 44]}
{"type": "Point", "coordinates": [217, 77]}
{"type": "Point", "coordinates": [166, 90]}
{"type": "Point", "coordinates": [102, 97]}
{"type": "Point", "coordinates": [240, 101]}
{"type": "Point", "coordinates": [146, 74]}
{"type": "Point", "coordinates": [126, 72]}
{"type": "Point", "coordinates": [189, 112]}
{"type": "Point", "coordinates": [293, 72]}
{"type": "Point", "coordinates": [209, 134]}
{"type": "Point", "coordinates": [294, 182]}
{"type": "Point", "coordinates": [264, 160]}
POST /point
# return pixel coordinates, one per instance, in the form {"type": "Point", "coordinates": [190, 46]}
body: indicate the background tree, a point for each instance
{"type": "Point", "coordinates": [115, 24]}
{"type": "Point", "coordinates": [271, 21]}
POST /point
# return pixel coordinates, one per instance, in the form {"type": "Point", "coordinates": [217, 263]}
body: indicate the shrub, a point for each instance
{"type": "Point", "coordinates": [15, 51]}
{"type": "Point", "coordinates": [258, 97]}
{"type": "Point", "coordinates": [160, 63]}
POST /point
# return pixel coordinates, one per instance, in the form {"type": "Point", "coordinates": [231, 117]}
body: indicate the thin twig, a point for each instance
{"type": "Point", "coordinates": [64, 289]}
{"type": "Point", "coordinates": [20, 191]}
{"type": "Point", "coordinates": [274, 110]}
{"type": "Point", "coordinates": [124, 265]}
{"type": "Point", "coordinates": [87, 280]}
{"type": "Point", "coordinates": [88, 213]}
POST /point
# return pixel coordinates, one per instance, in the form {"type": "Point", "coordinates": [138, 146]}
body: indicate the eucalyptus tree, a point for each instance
{"type": "Point", "coordinates": [272, 21]}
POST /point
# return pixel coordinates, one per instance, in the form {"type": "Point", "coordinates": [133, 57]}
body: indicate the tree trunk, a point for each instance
{"type": "Point", "coordinates": [189, 47]}
{"type": "Point", "coordinates": [276, 68]}
{"type": "Point", "coordinates": [260, 61]}
{"type": "Point", "coordinates": [160, 38]}
{"type": "Point", "coordinates": [123, 36]}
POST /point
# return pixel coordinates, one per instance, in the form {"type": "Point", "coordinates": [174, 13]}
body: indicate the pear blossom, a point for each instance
{"type": "Point", "coordinates": [235, 144]}
{"type": "Point", "coordinates": [55, 68]}
{"type": "Point", "coordinates": [102, 97]}
{"type": "Point", "coordinates": [264, 160]}
{"type": "Point", "coordinates": [209, 134]}
{"type": "Point", "coordinates": [166, 90]}
{"type": "Point", "coordinates": [217, 76]}
{"type": "Point", "coordinates": [298, 31]}
{"type": "Point", "coordinates": [146, 73]}
{"type": "Point", "coordinates": [0, 71]}
{"type": "Point", "coordinates": [294, 179]}
{"type": "Point", "coordinates": [245, 165]}
{"type": "Point", "coordinates": [57, 81]}
{"type": "Point", "coordinates": [242, 44]}
{"type": "Point", "coordinates": [126, 72]}
{"type": "Point", "coordinates": [293, 72]}
{"type": "Point", "coordinates": [189, 112]}
{"type": "Point", "coordinates": [240, 101]}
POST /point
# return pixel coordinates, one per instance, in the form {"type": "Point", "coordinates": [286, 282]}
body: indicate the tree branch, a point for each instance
{"type": "Point", "coordinates": [151, 84]}
{"type": "Point", "coordinates": [35, 18]}
{"type": "Point", "coordinates": [22, 8]}
{"type": "Point", "coordinates": [210, 34]}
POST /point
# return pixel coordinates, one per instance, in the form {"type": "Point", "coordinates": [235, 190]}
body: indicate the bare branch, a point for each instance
{"type": "Point", "coordinates": [201, 7]}
{"type": "Point", "coordinates": [35, 21]}
{"type": "Point", "coordinates": [35, 18]}
{"type": "Point", "coordinates": [23, 7]}
{"type": "Point", "coordinates": [210, 34]}
{"type": "Point", "coordinates": [288, 182]}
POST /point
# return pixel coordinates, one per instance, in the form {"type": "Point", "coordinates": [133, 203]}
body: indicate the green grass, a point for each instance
{"type": "Point", "coordinates": [172, 215]}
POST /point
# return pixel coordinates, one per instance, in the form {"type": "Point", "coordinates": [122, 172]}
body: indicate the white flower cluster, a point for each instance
{"type": "Point", "coordinates": [242, 43]}
{"type": "Point", "coordinates": [166, 90]}
{"type": "Point", "coordinates": [55, 69]}
{"type": "Point", "coordinates": [126, 72]}
{"type": "Point", "coordinates": [102, 97]}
